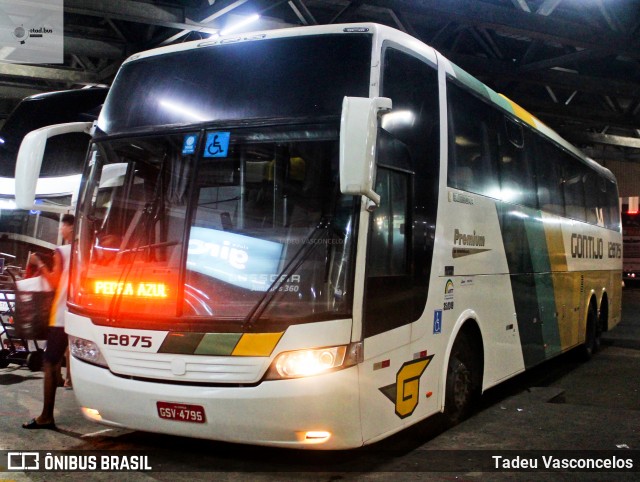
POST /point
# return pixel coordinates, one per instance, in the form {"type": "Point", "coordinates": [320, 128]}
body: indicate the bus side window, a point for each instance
{"type": "Point", "coordinates": [613, 205]}
{"type": "Point", "coordinates": [388, 295]}
{"type": "Point", "coordinates": [573, 187]}
{"type": "Point", "coordinates": [517, 184]}
{"type": "Point", "coordinates": [402, 232]}
{"type": "Point", "coordinates": [388, 253]}
{"type": "Point", "coordinates": [472, 143]}
{"type": "Point", "coordinates": [594, 213]}
{"type": "Point", "coordinates": [548, 176]}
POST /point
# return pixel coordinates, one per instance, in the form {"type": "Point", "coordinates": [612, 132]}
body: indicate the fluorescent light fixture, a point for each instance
{"type": "Point", "coordinates": [240, 24]}
{"type": "Point", "coordinates": [1, 140]}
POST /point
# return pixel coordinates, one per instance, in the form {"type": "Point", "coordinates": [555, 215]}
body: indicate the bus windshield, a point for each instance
{"type": "Point", "coordinates": [304, 76]}
{"type": "Point", "coordinates": [212, 227]}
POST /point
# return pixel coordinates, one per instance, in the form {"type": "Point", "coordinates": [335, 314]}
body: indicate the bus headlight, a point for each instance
{"type": "Point", "coordinates": [305, 363]}
{"type": "Point", "coordinates": [86, 350]}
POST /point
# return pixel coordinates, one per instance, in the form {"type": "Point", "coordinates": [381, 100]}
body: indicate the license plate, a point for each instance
{"type": "Point", "coordinates": [181, 412]}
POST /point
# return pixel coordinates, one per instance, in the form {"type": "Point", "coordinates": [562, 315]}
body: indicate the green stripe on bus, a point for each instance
{"type": "Point", "coordinates": [532, 282]}
{"type": "Point", "coordinates": [545, 294]}
{"type": "Point", "coordinates": [220, 344]}
{"type": "Point", "coordinates": [182, 343]}
{"type": "Point", "coordinates": [471, 82]}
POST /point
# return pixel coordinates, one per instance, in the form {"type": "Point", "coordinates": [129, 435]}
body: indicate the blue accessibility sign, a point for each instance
{"type": "Point", "coordinates": [437, 322]}
{"type": "Point", "coordinates": [217, 144]}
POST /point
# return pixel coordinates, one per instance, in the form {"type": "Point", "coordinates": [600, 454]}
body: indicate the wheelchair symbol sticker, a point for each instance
{"type": "Point", "coordinates": [217, 144]}
{"type": "Point", "coordinates": [437, 322]}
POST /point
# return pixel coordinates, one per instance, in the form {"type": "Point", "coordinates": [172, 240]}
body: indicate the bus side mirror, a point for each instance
{"type": "Point", "coordinates": [358, 131]}
{"type": "Point", "coordinates": [29, 161]}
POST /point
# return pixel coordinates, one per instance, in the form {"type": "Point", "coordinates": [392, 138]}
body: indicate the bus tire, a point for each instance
{"type": "Point", "coordinates": [592, 335]}
{"type": "Point", "coordinates": [462, 387]}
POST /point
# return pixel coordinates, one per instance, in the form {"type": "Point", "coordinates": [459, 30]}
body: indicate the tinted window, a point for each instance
{"type": "Point", "coordinates": [64, 154]}
{"type": "Point", "coordinates": [548, 176]}
{"type": "Point", "coordinates": [388, 228]}
{"type": "Point", "coordinates": [289, 77]}
{"type": "Point", "coordinates": [402, 229]}
{"type": "Point", "coordinates": [574, 172]}
{"type": "Point", "coordinates": [613, 204]}
{"type": "Point", "coordinates": [593, 201]}
{"type": "Point", "coordinates": [388, 288]}
{"type": "Point", "coordinates": [515, 163]}
{"type": "Point", "coordinates": [472, 143]}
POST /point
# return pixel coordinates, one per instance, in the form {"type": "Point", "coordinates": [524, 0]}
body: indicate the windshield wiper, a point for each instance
{"type": "Point", "coordinates": [150, 246]}
{"type": "Point", "coordinates": [320, 232]}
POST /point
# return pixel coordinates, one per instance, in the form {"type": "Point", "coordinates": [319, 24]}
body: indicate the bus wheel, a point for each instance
{"type": "Point", "coordinates": [461, 388]}
{"type": "Point", "coordinates": [592, 335]}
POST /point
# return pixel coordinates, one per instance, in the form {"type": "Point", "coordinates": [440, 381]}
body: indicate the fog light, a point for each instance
{"type": "Point", "coordinates": [91, 414]}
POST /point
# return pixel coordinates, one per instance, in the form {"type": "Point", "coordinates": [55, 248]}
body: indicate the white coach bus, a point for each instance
{"type": "Point", "coordinates": [316, 237]}
{"type": "Point", "coordinates": [51, 179]}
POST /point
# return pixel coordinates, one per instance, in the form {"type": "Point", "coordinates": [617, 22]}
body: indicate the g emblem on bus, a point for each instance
{"type": "Point", "coordinates": [405, 393]}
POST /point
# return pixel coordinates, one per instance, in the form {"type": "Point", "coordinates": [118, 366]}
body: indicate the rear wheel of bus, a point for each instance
{"type": "Point", "coordinates": [592, 335]}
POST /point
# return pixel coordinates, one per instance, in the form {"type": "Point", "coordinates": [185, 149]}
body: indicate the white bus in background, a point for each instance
{"type": "Point", "coordinates": [316, 237]}
{"type": "Point", "coordinates": [631, 239]}
{"type": "Point", "coordinates": [36, 228]}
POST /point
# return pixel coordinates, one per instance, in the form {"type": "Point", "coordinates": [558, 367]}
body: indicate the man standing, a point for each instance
{"type": "Point", "coordinates": [58, 279]}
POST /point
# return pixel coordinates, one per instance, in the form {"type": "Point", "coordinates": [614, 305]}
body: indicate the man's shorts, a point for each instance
{"type": "Point", "coordinates": [57, 343]}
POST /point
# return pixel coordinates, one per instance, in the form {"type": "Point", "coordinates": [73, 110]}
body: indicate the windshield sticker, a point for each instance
{"type": "Point", "coordinates": [189, 144]}
{"type": "Point", "coordinates": [217, 144]}
{"type": "Point", "coordinates": [448, 296]}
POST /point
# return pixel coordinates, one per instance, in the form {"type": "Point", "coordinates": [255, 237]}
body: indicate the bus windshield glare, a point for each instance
{"type": "Point", "coordinates": [212, 227]}
{"type": "Point", "coordinates": [306, 76]}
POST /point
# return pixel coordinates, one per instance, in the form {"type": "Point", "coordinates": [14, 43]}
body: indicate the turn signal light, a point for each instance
{"type": "Point", "coordinates": [317, 436]}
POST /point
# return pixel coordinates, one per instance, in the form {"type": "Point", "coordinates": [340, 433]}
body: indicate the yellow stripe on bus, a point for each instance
{"type": "Point", "coordinates": [257, 344]}
{"type": "Point", "coordinates": [521, 113]}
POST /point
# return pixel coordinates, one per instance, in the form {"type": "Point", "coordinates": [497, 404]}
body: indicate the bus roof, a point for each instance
{"type": "Point", "coordinates": [383, 33]}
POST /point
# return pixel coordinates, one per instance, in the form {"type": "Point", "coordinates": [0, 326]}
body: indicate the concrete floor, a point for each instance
{"type": "Point", "coordinates": [578, 409]}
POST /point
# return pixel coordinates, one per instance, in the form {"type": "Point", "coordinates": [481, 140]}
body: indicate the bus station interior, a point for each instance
{"type": "Point", "coordinates": [573, 64]}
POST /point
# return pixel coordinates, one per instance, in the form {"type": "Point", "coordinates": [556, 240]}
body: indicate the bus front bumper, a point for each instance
{"type": "Point", "coordinates": [319, 412]}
